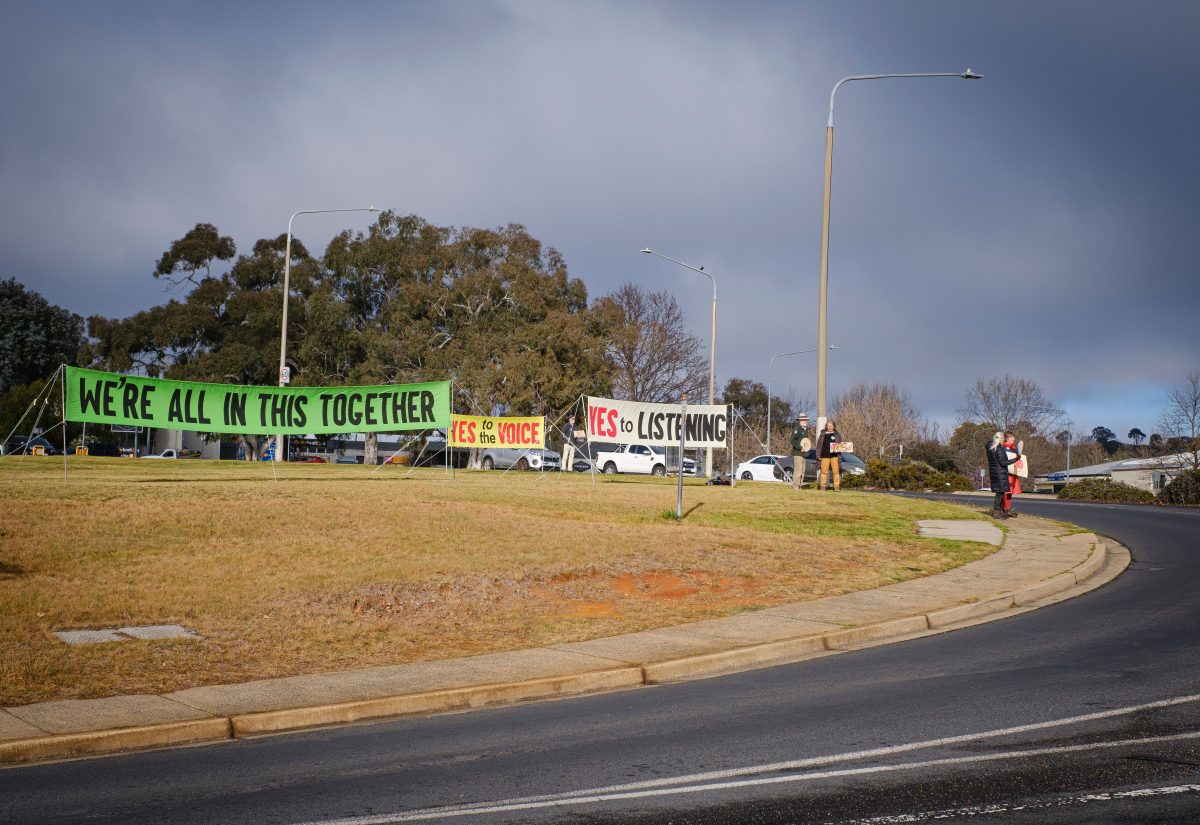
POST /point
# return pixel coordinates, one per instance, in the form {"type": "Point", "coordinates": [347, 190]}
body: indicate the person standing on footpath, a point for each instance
{"type": "Point", "coordinates": [828, 444]}
{"type": "Point", "coordinates": [998, 462]}
{"type": "Point", "coordinates": [568, 450]}
{"type": "Point", "coordinates": [800, 447]}
{"type": "Point", "coordinates": [1012, 451]}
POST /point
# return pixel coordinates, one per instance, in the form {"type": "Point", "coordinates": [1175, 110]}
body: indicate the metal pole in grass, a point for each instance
{"type": "Point", "coordinates": [62, 383]}
{"type": "Point", "coordinates": [285, 376]}
{"type": "Point", "coordinates": [682, 444]}
{"type": "Point", "coordinates": [823, 293]}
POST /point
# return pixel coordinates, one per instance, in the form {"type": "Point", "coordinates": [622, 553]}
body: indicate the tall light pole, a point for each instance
{"type": "Point", "coordinates": [284, 377]}
{"type": "Point", "coordinates": [770, 372]}
{"type": "Point", "coordinates": [712, 356]}
{"type": "Point", "coordinates": [824, 293]}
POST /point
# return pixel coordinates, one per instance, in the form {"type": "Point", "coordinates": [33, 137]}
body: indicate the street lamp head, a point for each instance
{"type": "Point", "coordinates": [833, 346]}
{"type": "Point", "coordinates": [372, 208]}
{"type": "Point", "coordinates": [648, 251]}
{"type": "Point", "coordinates": [970, 75]}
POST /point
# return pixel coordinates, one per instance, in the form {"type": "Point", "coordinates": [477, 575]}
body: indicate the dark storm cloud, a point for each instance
{"type": "Point", "coordinates": [1039, 221]}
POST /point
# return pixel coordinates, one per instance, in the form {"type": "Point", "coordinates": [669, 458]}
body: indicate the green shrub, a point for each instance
{"type": "Point", "coordinates": [1183, 489]}
{"type": "Point", "coordinates": [853, 482]}
{"type": "Point", "coordinates": [915, 476]}
{"type": "Point", "coordinates": [1105, 489]}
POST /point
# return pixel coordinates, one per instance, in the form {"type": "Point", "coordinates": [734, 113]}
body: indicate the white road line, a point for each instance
{"type": "Point", "coordinates": [1016, 807]}
{"type": "Point", "coordinates": [797, 764]}
{"type": "Point", "coordinates": [511, 806]}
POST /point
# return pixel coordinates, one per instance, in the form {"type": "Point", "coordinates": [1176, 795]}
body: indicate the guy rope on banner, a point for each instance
{"type": "Point", "coordinates": [762, 445]}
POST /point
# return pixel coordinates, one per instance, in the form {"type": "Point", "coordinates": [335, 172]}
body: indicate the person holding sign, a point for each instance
{"type": "Point", "coordinates": [829, 444]}
{"type": "Point", "coordinates": [800, 447]}
{"type": "Point", "coordinates": [999, 460]}
{"type": "Point", "coordinates": [1013, 451]}
{"type": "Point", "coordinates": [568, 450]}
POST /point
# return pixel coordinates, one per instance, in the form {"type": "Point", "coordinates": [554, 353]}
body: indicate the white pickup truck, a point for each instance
{"type": "Point", "coordinates": [641, 459]}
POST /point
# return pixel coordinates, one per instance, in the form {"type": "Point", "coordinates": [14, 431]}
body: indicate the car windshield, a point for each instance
{"type": "Point", "coordinates": [656, 450]}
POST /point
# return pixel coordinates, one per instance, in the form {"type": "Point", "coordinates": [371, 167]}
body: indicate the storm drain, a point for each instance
{"type": "Point", "coordinates": [121, 634]}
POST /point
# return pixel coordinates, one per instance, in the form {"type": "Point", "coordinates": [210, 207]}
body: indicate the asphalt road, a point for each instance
{"type": "Point", "coordinates": [1084, 711]}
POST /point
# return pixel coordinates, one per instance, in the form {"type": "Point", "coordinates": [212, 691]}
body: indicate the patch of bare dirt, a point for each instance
{"type": "Point", "coordinates": [585, 593]}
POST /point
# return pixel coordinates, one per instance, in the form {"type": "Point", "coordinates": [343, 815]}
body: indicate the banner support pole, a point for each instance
{"type": "Point", "coordinates": [682, 445]}
{"type": "Point", "coordinates": [448, 425]}
{"type": "Point", "coordinates": [62, 385]}
{"type": "Point", "coordinates": [587, 437]}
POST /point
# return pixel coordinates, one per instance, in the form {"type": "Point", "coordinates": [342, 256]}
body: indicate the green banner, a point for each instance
{"type": "Point", "coordinates": [109, 398]}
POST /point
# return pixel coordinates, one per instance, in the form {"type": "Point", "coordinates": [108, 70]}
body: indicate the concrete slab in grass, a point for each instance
{"type": "Point", "coordinates": [13, 728]}
{"type": "Point", "coordinates": [80, 715]}
{"type": "Point", "coordinates": [90, 637]}
{"type": "Point", "coordinates": [961, 530]}
{"type": "Point", "coordinates": [156, 632]}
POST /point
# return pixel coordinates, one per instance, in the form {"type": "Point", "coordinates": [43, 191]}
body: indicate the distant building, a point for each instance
{"type": "Point", "coordinates": [1150, 474]}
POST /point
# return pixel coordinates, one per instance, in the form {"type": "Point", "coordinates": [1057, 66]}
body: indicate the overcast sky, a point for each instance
{"type": "Point", "coordinates": [1042, 221]}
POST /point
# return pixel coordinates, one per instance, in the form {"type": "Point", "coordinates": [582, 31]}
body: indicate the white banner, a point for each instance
{"type": "Point", "coordinates": [633, 422]}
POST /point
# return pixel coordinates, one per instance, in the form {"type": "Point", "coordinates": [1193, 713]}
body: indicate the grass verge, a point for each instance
{"type": "Point", "coordinates": [309, 568]}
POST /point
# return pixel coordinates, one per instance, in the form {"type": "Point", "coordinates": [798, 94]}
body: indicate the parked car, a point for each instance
{"type": "Point", "coordinates": [163, 454]}
{"type": "Point", "coordinates": [642, 459]}
{"type": "Point", "coordinates": [13, 445]}
{"type": "Point", "coordinates": [24, 445]}
{"type": "Point", "coordinates": [104, 450]}
{"type": "Point", "coordinates": [851, 465]}
{"type": "Point", "coordinates": [515, 458]}
{"type": "Point", "coordinates": [759, 468]}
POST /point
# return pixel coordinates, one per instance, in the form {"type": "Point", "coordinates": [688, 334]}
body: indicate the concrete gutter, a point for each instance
{"type": "Point", "coordinates": [1039, 563]}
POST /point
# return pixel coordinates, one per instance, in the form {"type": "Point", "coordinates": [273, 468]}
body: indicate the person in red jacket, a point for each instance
{"type": "Point", "coordinates": [1014, 482]}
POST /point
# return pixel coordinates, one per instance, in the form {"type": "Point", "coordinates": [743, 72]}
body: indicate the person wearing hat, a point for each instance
{"type": "Point", "coordinates": [801, 444]}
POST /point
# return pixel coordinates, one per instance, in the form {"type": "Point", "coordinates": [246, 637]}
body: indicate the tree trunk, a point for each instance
{"type": "Point", "coordinates": [250, 447]}
{"type": "Point", "coordinates": [371, 449]}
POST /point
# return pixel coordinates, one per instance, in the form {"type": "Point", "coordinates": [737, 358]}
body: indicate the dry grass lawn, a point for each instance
{"type": "Point", "coordinates": [313, 568]}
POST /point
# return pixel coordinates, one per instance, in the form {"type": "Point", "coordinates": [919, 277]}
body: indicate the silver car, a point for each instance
{"type": "Point", "coordinates": [514, 458]}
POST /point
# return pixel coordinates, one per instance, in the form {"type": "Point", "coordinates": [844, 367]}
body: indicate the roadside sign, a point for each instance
{"type": "Point", "coordinates": [285, 375]}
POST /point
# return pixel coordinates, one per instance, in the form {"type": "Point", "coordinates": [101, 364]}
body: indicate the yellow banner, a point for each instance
{"type": "Point", "coordinates": [480, 431]}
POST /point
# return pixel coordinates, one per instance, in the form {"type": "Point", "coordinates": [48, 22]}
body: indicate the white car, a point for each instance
{"type": "Point", "coordinates": [163, 454]}
{"type": "Point", "coordinates": [759, 468]}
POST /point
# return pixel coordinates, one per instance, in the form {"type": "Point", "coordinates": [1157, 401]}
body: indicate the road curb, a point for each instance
{"type": "Point", "coordinates": [440, 701]}
{"type": "Point", "coordinates": [64, 746]}
{"type": "Point", "coordinates": [1093, 563]}
{"type": "Point", "coordinates": [727, 661]}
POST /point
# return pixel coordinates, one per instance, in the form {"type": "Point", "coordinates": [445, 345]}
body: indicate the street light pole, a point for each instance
{"type": "Point", "coordinates": [287, 272]}
{"type": "Point", "coordinates": [770, 373]}
{"type": "Point", "coordinates": [712, 357]}
{"type": "Point", "coordinates": [824, 290]}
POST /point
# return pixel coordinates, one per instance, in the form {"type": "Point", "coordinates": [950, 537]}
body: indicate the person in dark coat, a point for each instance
{"type": "Point", "coordinates": [998, 462]}
{"type": "Point", "coordinates": [829, 455]}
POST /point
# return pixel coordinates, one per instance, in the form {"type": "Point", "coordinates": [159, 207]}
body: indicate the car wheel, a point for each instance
{"type": "Point", "coordinates": [610, 469]}
{"type": "Point", "coordinates": [747, 475]}
{"type": "Point", "coordinates": [787, 476]}
{"type": "Point", "coordinates": [522, 465]}
{"type": "Point", "coordinates": [659, 470]}
{"type": "Point", "coordinates": [488, 464]}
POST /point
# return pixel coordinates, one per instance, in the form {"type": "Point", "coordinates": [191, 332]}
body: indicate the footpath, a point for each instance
{"type": "Point", "coordinates": [1038, 563]}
